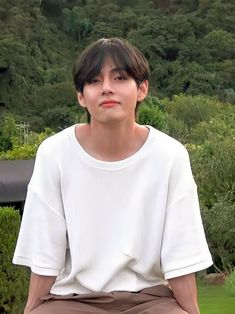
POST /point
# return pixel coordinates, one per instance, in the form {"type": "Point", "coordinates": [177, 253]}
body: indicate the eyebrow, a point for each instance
{"type": "Point", "coordinates": [114, 70]}
{"type": "Point", "coordinates": [118, 70]}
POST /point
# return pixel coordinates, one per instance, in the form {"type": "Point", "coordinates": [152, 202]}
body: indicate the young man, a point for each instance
{"type": "Point", "coordinates": [112, 218]}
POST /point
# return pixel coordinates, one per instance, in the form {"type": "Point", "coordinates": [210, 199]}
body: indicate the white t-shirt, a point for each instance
{"type": "Point", "coordinates": [111, 226]}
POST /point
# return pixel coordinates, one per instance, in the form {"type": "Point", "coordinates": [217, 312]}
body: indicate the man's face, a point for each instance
{"type": "Point", "coordinates": [111, 96]}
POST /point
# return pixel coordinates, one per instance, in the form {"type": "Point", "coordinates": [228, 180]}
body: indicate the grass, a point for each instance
{"type": "Point", "coordinates": [214, 299]}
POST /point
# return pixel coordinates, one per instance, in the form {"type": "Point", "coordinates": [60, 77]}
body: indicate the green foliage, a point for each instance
{"type": "Point", "coordinates": [212, 151]}
{"type": "Point", "coordinates": [32, 54]}
{"type": "Point", "coordinates": [58, 108]}
{"type": "Point", "coordinates": [192, 79]}
{"type": "Point", "coordinates": [26, 151]}
{"type": "Point", "coordinates": [13, 145]}
{"type": "Point", "coordinates": [5, 144]}
{"type": "Point", "coordinates": [221, 44]}
{"type": "Point", "coordinates": [214, 168]}
{"type": "Point", "coordinates": [177, 129]}
{"type": "Point", "coordinates": [59, 118]}
{"type": "Point", "coordinates": [151, 112]}
{"type": "Point", "coordinates": [22, 152]}
{"type": "Point", "coordinates": [197, 119]}
{"type": "Point", "coordinates": [52, 7]}
{"type": "Point", "coordinates": [230, 284]}
{"type": "Point", "coordinates": [9, 130]}
{"type": "Point", "coordinates": [218, 128]}
{"type": "Point", "coordinates": [75, 24]}
{"type": "Point", "coordinates": [192, 110]}
{"type": "Point", "coordinates": [220, 221]}
{"type": "Point", "coordinates": [13, 279]}
{"type": "Point", "coordinates": [8, 133]}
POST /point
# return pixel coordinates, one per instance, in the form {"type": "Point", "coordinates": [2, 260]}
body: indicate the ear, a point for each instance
{"type": "Point", "coordinates": [142, 90]}
{"type": "Point", "coordinates": [81, 99]}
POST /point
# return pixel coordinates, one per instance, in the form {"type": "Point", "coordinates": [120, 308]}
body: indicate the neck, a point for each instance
{"type": "Point", "coordinates": [112, 142]}
{"type": "Point", "coordinates": [112, 137]}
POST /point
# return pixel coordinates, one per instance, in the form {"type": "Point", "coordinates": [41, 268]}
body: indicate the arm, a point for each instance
{"type": "Point", "coordinates": [39, 287]}
{"type": "Point", "coordinates": [185, 292]}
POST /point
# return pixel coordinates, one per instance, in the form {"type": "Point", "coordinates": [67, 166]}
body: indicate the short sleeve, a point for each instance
{"type": "Point", "coordinates": [42, 241]}
{"type": "Point", "coordinates": [184, 246]}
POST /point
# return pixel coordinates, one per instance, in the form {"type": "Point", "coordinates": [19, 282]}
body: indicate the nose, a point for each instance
{"type": "Point", "coordinates": [107, 87]}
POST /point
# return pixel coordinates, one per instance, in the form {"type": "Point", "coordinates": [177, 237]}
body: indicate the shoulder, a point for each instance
{"type": "Point", "coordinates": [56, 143]}
{"type": "Point", "coordinates": [173, 157]}
{"type": "Point", "coordinates": [167, 146]}
{"type": "Point", "coordinates": [49, 156]}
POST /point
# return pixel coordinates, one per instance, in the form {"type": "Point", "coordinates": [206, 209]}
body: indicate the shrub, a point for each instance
{"type": "Point", "coordinates": [215, 128]}
{"type": "Point", "coordinates": [219, 223]}
{"type": "Point", "coordinates": [214, 168]}
{"type": "Point", "coordinates": [13, 279]}
{"type": "Point", "coordinates": [219, 127]}
{"type": "Point", "coordinates": [8, 131]}
{"type": "Point", "coordinates": [151, 112]}
{"type": "Point", "coordinates": [177, 129]}
{"type": "Point", "coordinates": [192, 109]}
{"type": "Point", "coordinates": [26, 151]}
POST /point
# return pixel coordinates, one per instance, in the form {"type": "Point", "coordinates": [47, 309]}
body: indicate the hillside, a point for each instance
{"type": "Point", "coordinates": [190, 46]}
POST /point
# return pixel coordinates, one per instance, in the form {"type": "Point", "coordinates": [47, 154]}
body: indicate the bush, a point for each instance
{"type": "Point", "coordinates": [219, 223]}
{"type": "Point", "coordinates": [151, 112]}
{"type": "Point", "coordinates": [58, 110]}
{"type": "Point", "coordinates": [26, 151]}
{"type": "Point", "coordinates": [192, 109]}
{"type": "Point", "coordinates": [8, 131]}
{"type": "Point", "coordinates": [215, 129]}
{"type": "Point", "coordinates": [214, 168]}
{"type": "Point", "coordinates": [177, 129]}
{"type": "Point", "coordinates": [219, 127]}
{"type": "Point", "coordinates": [13, 279]}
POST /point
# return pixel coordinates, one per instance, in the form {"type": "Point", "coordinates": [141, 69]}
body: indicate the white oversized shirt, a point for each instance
{"type": "Point", "coordinates": [111, 226]}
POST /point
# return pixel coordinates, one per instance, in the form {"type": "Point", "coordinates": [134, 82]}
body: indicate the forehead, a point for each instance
{"type": "Point", "coordinates": [111, 58]}
{"type": "Point", "coordinates": [111, 66]}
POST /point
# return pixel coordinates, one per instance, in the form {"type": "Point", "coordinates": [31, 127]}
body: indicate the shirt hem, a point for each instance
{"type": "Point", "coordinates": [34, 268]}
{"type": "Point", "coordinates": [188, 270]}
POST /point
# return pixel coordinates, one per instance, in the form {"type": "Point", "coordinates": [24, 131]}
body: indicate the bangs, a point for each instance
{"type": "Point", "coordinates": [100, 56]}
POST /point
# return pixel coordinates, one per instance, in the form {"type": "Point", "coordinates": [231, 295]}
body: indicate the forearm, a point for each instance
{"type": "Point", "coordinates": [39, 287]}
{"type": "Point", "coordinates": [185, 292]}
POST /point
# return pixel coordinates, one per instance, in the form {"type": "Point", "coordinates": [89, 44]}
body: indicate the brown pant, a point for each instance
{"type": "Point", "coordinates": [154, 300]}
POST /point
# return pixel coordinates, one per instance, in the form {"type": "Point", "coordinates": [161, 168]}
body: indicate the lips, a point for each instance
{"type": "Point", "coordinates": [109, 103]}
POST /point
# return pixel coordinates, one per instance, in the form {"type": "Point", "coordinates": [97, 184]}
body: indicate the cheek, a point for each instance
{"type": "Point", "coordinates": [88, 95]}
{"type": "Point", "coordinates": [130, 90]}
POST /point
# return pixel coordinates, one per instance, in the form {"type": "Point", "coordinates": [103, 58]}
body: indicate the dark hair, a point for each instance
{"type": "Point", "coordinates": [122, 53]}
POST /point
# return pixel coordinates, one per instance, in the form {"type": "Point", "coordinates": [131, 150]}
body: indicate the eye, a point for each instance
{"type": "Point", "coordinates": [121, 77]}
{"type": "Point", "coordinates": [93, 81]}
